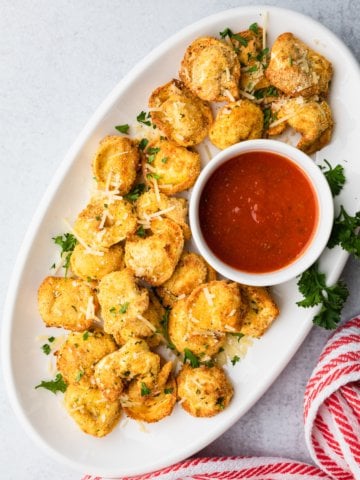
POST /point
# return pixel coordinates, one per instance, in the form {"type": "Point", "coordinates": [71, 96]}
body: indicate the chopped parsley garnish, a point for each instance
{"type": "Point", "coordinates": [85, 335]}
{"type": "Point", "coordinates": [51, 339]}
{"type": "Point", "coordinates": [335, 177]}
{"type": "Point", "coordinates": [123, 128]}
{"type": "Point", "coordinates": [153, 175]}
{"type": "Point", "coordinates": [124, 307]}
{"type": "Point", "coordinates": [143, 143]}
{"type": "Point", "coordinates": [260, 56]}
{"type": "Point", "coordinates": [152, 152]}
{"type": "Point", "coordinates": [312, 285]}
{"type": "Point", "coordinates": [220, 403]}
{"type": "Point", "coordinates": [252, 69]}
{"type": "Point", "coordinates": [67, 243]}
{"type": "Point", "coordinates": [234, 36]}
{"type": "Point", "coordinates": [164, 322]}
{"type": "Point", "coordinates": [268, 117]}
{"type": "Point", "coordinates": [266, 92]}
{"type": "Point", "coordinates": [235, 359]}
{"type": "Point", "coordinates": [46, 348]}
{"type": "Point", "coordinates": [144, 390]}
{"type": "Point", "coordinates": [290, 61]}
{"type": "Point", "coordinates": [164, 159]}
{"type": "Point", "coordinates": [79, 375]}
{"type": "Point", "coordinates": [144, 118]}
{"type": "Point", "coordinates": [190, 357]}
{"type": "Point", "coordinates": [56, 385]}
{"type": "Point", "coordinates": [135, 192]}
{"type": "Point", "coordinates": [344, 232]}
{"type": "Point", "coordinates": [168, 390]}
{"type": "Point", "coordinates": [238, 335]}
{"type": "Point", "coordinates": [140, 232]}
{"type": "Point", "coordinates": [254, 27]}
{"type": "Point", "coordinates": [112, 310]}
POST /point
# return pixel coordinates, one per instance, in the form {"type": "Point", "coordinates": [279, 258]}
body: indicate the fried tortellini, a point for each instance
{"type": "Point", "coordinates": [296, 69]}
{"type": "Point", "coordinates": [179, 114]}
{"type": "Point", "coordinates": [203, 391]}
{"type": "Point", "coordinates": [67, 302]}
{"type": "Point", "coordinates": [211, 70]}
{"type": "Point", "coordinates": [154, 257]}
{"type": "Point", "coordinates": [88, 266]}
{"type": "Point", "coordinates": [175, 168]}
{"type": "Point", "coordinates": [235, 122]}
{"type": "Point", "coordinates": [115, 164]}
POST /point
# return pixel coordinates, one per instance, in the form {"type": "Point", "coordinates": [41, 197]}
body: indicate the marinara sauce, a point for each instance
{"type": "Point", "coordinates": [258, 212]}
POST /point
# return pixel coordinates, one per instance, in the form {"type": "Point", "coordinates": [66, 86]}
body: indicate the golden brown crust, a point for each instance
{"type": "Point", "coordinates": [93, 413]}
{"type": "Point", "coordinates": [94, 267]}
{"type": "Point", "coordinates": [187, 334]}
{"type": "Point", "coordinates": [155, 257]}
{"type": "Point", "coordinates": [115, 163]}
{"type": "Point", "coordinates": [261, 313]}
{"type": "Point", "coordinates": [120, 222]}
{"type": "Point", "coordinates": [179, 114]}
{"type": "Point", "coordinates": [211, 70]}
{"type": "Point", "coordinates": [63, 302]}
{"type": "Point", "coordinates": [175, 168]}
{"type": "Point", "coordinates": [296, 69]}
{"type": "Point", "coordinates": [235, 122]}
{"type": "Point", "coordinates": [190, 272]}
{"type": "Point", "coordinates": [217, 305]}
{"type": "Point", "coordinates": [122, 301]}
{"type": "Point", "coordinates": [203, 391]}
{"type": "Point", "coordinates": [76, 358]}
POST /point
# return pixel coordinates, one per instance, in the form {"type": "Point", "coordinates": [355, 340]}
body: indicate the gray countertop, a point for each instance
{"type": "Point", "coordinates": [58, 60]}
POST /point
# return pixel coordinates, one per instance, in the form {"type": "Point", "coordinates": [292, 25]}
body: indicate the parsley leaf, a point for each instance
{"type": "Point", "coordinates": [46, 348]}
{"type": "Point", "coordinates": [220, 403]}
{"type": "Point", "coordinates": [238, 335]}
{"type": "Point", "coordinates": [144, 117]}
{"type": "Point", "coordinates": [191, 358]}
{"type": "Point", "coordinates": [335, 177]}
{"type": "Point", "coordinates": [124, 307]}
{"type": "Point", "coordinates": [254, 27]}
{"type": "Point", "coordinates": [235, 359]}
{"type": "Point", "coordinates": [228, 33]}
{"type": "Point", "coordinates": [143, 143]}
{"type": "Point", "coordinates": [260, 56]}
{"type": "Point", "coordinates": [152, 152]}
{"type": "Point", "coordinates": [79, 375]}
{"type": "Point", "coordinates": [144, 390]}
{"type": "Point", "coordinates": [254, 68]}
{"type": "Point", "coordinates": [123, 128]}
{"type": "Point", "coordinates": [153, 175]}
{"type": "Point", "coordinates": [344, 232]}
{"type": "Point", "coordinates": [312, 285]}
{"type": "Point", "coordinates": [268, 117]}
{"type": "Point", "coordinates": [51, 339]}
{"type": "Point", "coordinates": [164, 322]}
{"type": "Point", "coordinates": [168, 390]}
{"type": "Point", "coordinates": [56, 385]}
{"type": "Point", "coordinates": [135, 192]}
{"type": "Point", "coordinates": [140, 232]}
{"type": "Point", "coordinates": [85, 335]}
{"type": "Point", "coordinates": [67, 243]}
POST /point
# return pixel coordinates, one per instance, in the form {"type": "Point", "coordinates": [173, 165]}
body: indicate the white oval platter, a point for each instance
{"type": "Point", "coordinates": [128, 450]}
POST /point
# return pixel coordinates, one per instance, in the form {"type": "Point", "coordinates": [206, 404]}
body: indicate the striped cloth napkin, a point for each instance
{"type": "Point", "coordinates": [332, 426]}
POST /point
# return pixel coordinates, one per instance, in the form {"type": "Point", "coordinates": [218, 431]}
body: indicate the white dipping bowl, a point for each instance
{"type": "Point", "coordinates": [319, 238]}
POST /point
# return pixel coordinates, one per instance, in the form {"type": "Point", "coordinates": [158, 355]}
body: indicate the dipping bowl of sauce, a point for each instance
{"type": "Point", "coordinates": [261, 212]}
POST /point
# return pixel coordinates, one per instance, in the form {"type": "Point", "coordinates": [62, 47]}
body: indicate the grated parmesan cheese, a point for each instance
{"type": "Point", "coordinates": [265, 22]}
{"type": "Point", "coordinates": [228, 94]}
{"type": "Point", "coordinates": [146, 322]}
{"type": "Point", "coordinates": [208, 296]}
{"type": "Point", "coordinates": [156, 190]}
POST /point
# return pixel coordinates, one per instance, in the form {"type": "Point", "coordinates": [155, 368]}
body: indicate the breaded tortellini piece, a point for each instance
{"type": "Point", "coordinates": [151, 404]}
{"type": "Point", "coordinates": [115, 164]}
{"type": "Point", "coordinates": [217, 305]}
{"type": "Point", "coordinates": [190, 272]}
{"type": "Point", "coordinates": [80, 352]}
{"type": "Point", "coordinates": [261, 313]}
{"type": "Point", "coordinates": [101, 224]}
{"type": "Point", "coordinates": [186, 334]}
{"type": "Point", "coordinates": [312, 119]}
{"type": "Point", "coordinates": [211, 70]}
{"type": "Point", "coordinates": [155, 257]}
{"type": "Point", "coordinates": [93, 413]}
{"type": "Point", "coordinates": [133, 360]}
{"type": "Point", "coordinates": [296, 69]}
{"type": "Point", "coordinates": [235, 122]}
{"type": "Point", "coordinates": [253, 59]}
{"type": "Point", "coordinates": [90, 267]}
{"type": "Point", "coordinates": [67, 302]}
{"type": "Point", "coordinates": [179, 114]}
{"type": "Point", "coordinates": [175, 208]}
{"type": "Point", "coordinates": [175, 168]}
{"type": "Point", "coordinates": [203, 391]}
{"type": "Point", "coordinates": [122, 301]}
{"type": "Point", "coordinates": [146, 326]}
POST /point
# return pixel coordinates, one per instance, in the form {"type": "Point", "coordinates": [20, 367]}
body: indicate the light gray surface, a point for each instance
{"type": "Point", "coordinates": [58, 60]}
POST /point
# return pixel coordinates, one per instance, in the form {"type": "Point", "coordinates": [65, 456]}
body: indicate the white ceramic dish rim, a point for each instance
{"type": "Point", "coordinates": [319, 238]}
{"type": "Point", "coordinates": [40, 213]}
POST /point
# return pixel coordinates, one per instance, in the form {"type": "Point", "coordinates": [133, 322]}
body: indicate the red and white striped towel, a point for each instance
{"type": "Point", "coordinates": [332, 426]}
